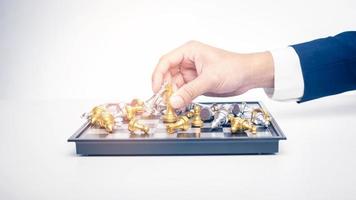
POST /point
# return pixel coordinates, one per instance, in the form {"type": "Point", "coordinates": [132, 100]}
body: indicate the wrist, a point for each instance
{"type": "Point", "coordinates": [260, 70]}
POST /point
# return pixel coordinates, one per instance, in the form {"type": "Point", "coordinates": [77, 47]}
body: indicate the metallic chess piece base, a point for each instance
{"type": "Point", "coordinates": [182, 124]}
{"type": "Point", "coordinates": [134, 125]}
{"type": "Point", "coordinates": [197, 121]}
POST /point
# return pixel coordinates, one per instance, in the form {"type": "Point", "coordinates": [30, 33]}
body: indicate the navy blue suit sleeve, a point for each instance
{"type": "Point", "coordinates": [328, 65]}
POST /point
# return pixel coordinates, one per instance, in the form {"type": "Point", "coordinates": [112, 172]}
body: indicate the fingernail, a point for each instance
{"type": "Point", "coordinates": [176, 101]}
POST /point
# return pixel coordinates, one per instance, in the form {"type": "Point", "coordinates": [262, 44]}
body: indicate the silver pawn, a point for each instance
{"type": "Point", "coordinates": [221, 116]}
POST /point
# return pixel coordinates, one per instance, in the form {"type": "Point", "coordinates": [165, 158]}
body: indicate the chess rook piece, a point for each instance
{"type": "Point", "coordinates": [260, 117]}
{"type": "Point", "coordinates": [170, 116]}
{"type": "Point", "coordinates": [197, 121]}
{"type": "Point", "coordinates": [131, 111]}
{"type": "Point", "coordinates": [221, 117]}
{"type": "Point", "coordinates": [135, 125]}
{"type": "Point", "coordinates": [239, 124]}
{"type": "Point", "coordinates": [182, 123]}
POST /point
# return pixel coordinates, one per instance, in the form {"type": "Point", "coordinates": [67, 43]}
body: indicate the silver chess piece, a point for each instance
{"type": "Point", "coordinates": [155, 105]}
{"type": "Point", "coordinates": [260, 117]}
{"type": "Point", "coordinates": [221, 116]}
{"type": "Point", "coordinates": [207, 112]}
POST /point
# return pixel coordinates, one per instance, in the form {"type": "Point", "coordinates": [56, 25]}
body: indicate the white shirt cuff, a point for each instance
{"type": "Point", "coordinates": [288, 76]}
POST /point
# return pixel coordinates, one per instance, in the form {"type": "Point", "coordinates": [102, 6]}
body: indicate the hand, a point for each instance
{"type": "Point", "coordinates": [196, 68]}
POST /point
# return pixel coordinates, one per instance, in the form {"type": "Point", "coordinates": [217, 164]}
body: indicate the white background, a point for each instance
{"type": "Point", "coordinates": [59, 58]}
{"type": "Point", "coordinates": [108, 49]}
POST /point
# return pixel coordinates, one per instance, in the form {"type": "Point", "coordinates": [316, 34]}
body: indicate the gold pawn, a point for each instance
{"type": "Point", "coordinates": [238, 124]}
{"type": "Point", "coordinates": [182, 123]}
{"type": "Point", "coordinates": [197, 121]}
{"type": "Point", "coordinates": [170, 116]}
{"type": "Point", "coordinates": [134, 125]}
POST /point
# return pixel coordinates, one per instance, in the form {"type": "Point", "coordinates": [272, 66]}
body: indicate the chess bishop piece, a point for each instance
{"type": "Point", "coordinates": [239, 124]}
{"type": "Point", "coordinates": [182, 123]}
{"type": "Point", "coordinates": [260, 117]}
{"type": "Point", "coordinates": [221, 117]}
{"type": "Point", "coordinates": [197, 121]}
{"type": "Point", "coordinates": [170, 116]}
{"type": "Point", "coordinates": [135, 125]}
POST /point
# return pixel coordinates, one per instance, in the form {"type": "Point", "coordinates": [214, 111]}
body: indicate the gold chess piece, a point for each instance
{"type": "Point", "coordinates": [137, 102]}
{"type": "Point", "coordinates": [182, 123]}
{"type": "Point", "coordinates": [107, 121]}
{"type": "Point", "coordinates": [131, 111]}
{"type": "Point", "coordinates": [170, 116]}
{"type": "Point", "coordinates": [135, 125]}
{"type": "Point", "coordinates": [239, 124]}
{"type": "Point", "coordinates": [95, 114]}
{"type": "Point", "coordinates": [260, 117]}
{"type": "Point", "coordinates": [197, 121]}
{"type": "Point", "coordinates": [190, 114]}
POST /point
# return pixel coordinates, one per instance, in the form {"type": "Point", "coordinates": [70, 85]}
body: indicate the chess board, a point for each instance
{"type": "Point", "coordinates": [91, 140]}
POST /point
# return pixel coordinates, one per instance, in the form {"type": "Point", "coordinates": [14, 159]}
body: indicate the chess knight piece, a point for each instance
{"type": "Point", "coordinates": [197, 121]}
{"type": "Point", "coordinates": [239, 124]}
{"type": "Point", "coordinates": [135, 125]}
{"type": "Point", "coordinates": [260, 117]}
{"type": "Point", "coordinates": [182, 123]}
{"type": "Point", "coordinates": [170, 116]}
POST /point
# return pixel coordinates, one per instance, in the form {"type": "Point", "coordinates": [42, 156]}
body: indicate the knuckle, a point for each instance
{"type": "Point", "coordinates": [192, 43]}
{"type": "Point", "coordinates": [163, 58]}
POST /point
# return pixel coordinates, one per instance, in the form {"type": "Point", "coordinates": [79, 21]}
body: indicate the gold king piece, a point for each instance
{"type": "Point", "coordinates": [170, 116]}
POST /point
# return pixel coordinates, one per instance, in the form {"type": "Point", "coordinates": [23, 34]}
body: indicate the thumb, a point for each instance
{"type": "Point", "coordinates": [189, 91]}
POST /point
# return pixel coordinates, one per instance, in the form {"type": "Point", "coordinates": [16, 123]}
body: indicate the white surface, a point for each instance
{"type": "Point", "coordinates": [288, 76]}
{"type": "Point", "coordinates": [317, 161]}
{"type": "Point", "coordinates": [51, 51]}
{"type": "Point", "coordinates": [93, 49]}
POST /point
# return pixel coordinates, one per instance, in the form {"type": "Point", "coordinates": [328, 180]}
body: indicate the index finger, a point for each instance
{"type": "Point", "coordinates": [172, 59]}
